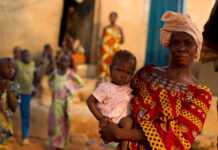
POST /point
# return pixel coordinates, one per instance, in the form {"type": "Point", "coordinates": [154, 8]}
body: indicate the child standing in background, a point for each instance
{"type": "Point", "coordinates": [24, 78]}
{"type": "Point", "coordinates": [16, 53]}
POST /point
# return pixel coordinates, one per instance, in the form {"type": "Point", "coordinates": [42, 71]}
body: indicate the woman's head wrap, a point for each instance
{"type": "Point", "coordinates": [177, 22]}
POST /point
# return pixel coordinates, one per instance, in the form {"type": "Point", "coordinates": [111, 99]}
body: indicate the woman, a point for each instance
{"type": "Point", "coordinates": [111, 39]}
{"type": "Point", "coordinates": [169, 107]}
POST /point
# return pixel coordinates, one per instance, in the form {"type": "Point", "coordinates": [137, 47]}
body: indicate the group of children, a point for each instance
{"type": "Point", "coordinates": [20, 79]}
{"type": "Point", "coordinates": [109, 102]}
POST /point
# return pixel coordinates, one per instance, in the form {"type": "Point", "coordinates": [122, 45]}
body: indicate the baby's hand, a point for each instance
{"type": "Point", "coordinates": [104, 121]}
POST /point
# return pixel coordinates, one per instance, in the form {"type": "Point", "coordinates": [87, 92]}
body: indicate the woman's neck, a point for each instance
{"type": "Point", "coordinates": [112, 25]}
{"type": "Point", "coordinates": [179, 73]}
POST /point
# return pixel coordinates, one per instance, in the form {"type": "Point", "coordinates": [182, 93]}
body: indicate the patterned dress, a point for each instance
{"type": "Point", "coordinates": [58, 114]}
{"type": "Point", "coordinates": [6, 124]}
{"type": "Point", "coordinates": [171, 114]}
{"type": "Point", "coordinates": [58, 118]}
{"type": "Point", "coordinates": [111, 44]}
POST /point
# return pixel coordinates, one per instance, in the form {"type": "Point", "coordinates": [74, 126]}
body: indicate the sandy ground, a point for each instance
{"type": "Point", "coordinates": [84, 131]}
{"type": "Point", "coordinates": [84, 127]}
{"type": "Point", "coordinates": [83, 135]}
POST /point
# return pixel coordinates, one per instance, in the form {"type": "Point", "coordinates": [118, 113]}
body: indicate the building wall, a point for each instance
{"type": "Point", "coordinates": [29, 24]}
{"type": "Point", "coordinates": [199, 10]}
{"type": "Point", "coordinates": [133, 17]}
{"type": "Point", "coordinates": [33, 23]}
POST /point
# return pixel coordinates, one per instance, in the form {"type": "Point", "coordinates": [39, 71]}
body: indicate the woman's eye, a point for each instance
{"type": "Point", "coordinates": [189, 44]}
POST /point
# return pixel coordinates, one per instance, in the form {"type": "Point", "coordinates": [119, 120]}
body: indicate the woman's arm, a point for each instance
{"type": "Point", "coordinates": [112, 132]}
{"type": "Point", "coordinates": [130, 134]}
{"type": "Point", "coordinates": [122, 36]}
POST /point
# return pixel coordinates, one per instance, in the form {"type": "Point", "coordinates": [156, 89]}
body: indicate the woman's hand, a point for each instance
{"type": "Point", "coordinates": [109, 132]}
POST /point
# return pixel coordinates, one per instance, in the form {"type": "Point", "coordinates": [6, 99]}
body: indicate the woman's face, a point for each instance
{"type": "Point", "coordinates": [183, 49]}
{"type": "Point", "coordinates": [113, 18]}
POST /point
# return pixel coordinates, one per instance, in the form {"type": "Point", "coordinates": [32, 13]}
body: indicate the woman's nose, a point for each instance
{"type": "Point", "coordinates": [182, 47]}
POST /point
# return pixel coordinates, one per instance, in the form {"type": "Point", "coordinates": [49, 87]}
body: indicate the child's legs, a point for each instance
{"type": "Point", "coordinates": [25, 114]}
{"type": "Point", "coordinates": [126, 123]}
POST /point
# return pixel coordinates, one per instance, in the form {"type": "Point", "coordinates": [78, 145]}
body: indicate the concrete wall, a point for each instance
{"type": "Point", "coordinates": [199, 10]}
{"type": "Point", "coordinates": [133, 17]}
{"type": "Point", "coordinates": [33, 23]}
{"type": "Point", "coordinates": [29, 24]}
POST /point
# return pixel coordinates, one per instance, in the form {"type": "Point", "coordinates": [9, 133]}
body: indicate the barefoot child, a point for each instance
{"type": "Point", "coordinates": [24, 78]}
{"type": "Point", "coordinates": [59, 116]}
{"type": "Point", "coordinates": [109, 102]}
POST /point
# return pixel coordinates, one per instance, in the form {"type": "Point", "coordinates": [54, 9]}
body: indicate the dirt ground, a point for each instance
{"type": "Point", "coordinates": [84, 127]}
{"type": "Point", "coordinates": [83, 133]}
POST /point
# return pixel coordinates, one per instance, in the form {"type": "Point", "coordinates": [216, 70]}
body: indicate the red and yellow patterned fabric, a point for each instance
{"type": "Point", "coordinates": [111, 44]}
{"type": "Point", "coordinates": [171, 114]}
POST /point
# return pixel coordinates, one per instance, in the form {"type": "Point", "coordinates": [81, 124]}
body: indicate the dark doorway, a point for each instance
{"type": "Point", "coordinates": [77, 20]}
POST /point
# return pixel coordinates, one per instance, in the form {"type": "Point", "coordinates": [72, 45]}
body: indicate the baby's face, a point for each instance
{"type": "Point", "coordinates": [121, 73]}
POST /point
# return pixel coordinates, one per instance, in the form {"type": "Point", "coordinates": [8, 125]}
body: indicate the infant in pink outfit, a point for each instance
{"type": "Point", "coordinates": [113, 100]}
{"type": "Point", "coordinates": [109, 103]}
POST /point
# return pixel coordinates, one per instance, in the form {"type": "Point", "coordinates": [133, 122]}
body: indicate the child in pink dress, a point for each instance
{"type": "Point", "coordinates": [109, 102]}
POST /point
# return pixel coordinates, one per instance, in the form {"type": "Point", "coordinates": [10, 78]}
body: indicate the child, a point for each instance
{"type": "Point", "coordinates": [8, 101]}
{"type": "Point", "coordinates": [44, 66]}
{"type": "Point", "coordinates": [78, 53]}
{"type": "Point", "coordinates": [58, 122]}
{"type": "Point", "coordinates": [109, 102]}
{"type": "Point", "coordinates": [24, 78]}
{"type": "Point", "coordinates": [16, 53]}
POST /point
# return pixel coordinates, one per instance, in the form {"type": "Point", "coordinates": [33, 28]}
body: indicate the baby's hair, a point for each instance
{"type": "Point", "coordinates": [124, 56]}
